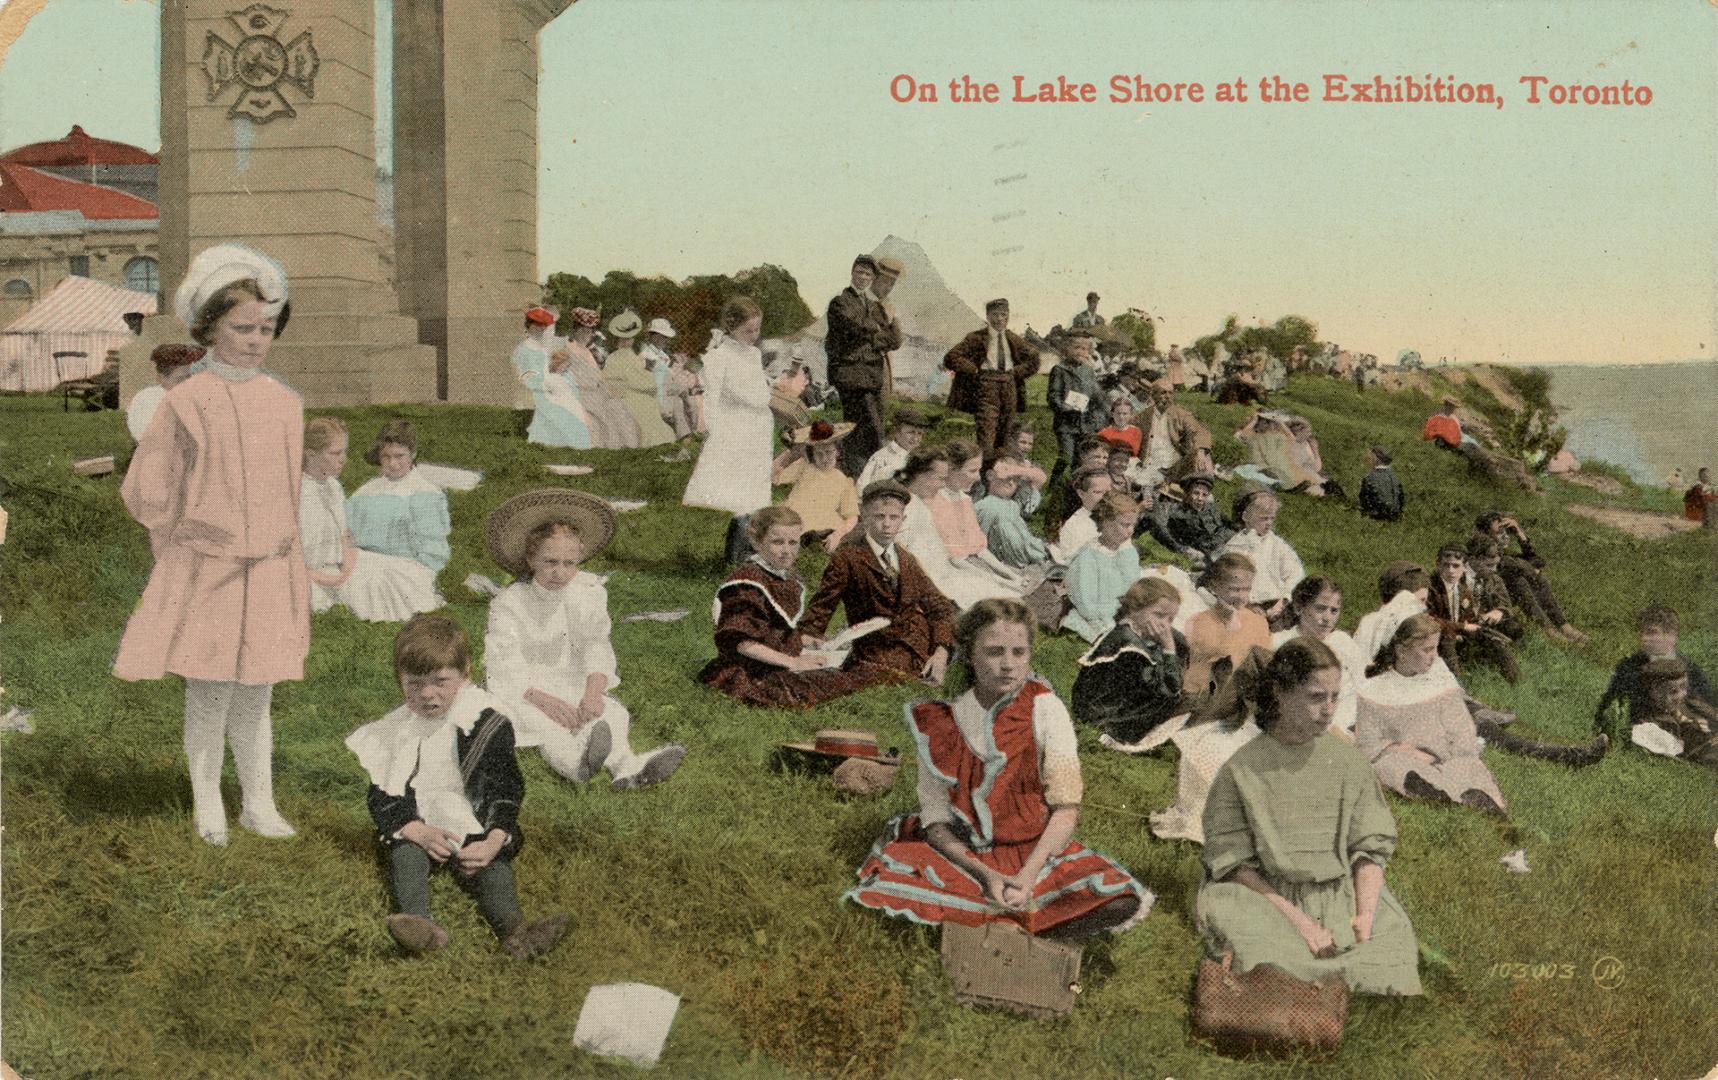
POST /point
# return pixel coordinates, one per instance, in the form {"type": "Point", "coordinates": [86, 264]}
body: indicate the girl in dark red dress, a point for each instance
{"type": "Point", "coordinates": [999, 796]}
{"type": "Point", "coordinates": [759, 649]}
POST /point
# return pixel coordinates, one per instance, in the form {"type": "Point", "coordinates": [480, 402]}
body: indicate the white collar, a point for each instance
{"type": "Point", "coordinates": [879, 549]}
{"type": "Point", "coordinates": [1393, 688]}
{"type": "Point", "coordinates": [388, 748]}
{"type": "Point", "coordinates": [229, 372]}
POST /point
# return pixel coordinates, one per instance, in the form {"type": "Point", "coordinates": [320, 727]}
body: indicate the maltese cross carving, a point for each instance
{"type": "Point", "coordinates": [259, 65]}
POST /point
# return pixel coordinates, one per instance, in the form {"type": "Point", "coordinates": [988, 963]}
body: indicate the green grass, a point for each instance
{"type": "Point", "coordinates": [131, 949]}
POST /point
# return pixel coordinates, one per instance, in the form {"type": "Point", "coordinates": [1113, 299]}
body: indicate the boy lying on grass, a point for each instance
{"type": "Point", "coordinates": [445, 790]}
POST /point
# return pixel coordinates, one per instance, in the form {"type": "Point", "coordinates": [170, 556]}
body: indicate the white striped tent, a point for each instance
{"type": "Point", "coordinates": [67, 333]}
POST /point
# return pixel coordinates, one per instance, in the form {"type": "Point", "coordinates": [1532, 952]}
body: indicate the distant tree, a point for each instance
{"type": "Point", "coordinates": [693, 305]}
{"type": "Point", "coordinates": [1279, 338]}
{"type": "Point", "coordinates": [1409, 359]}
{"type": "Point", "coordinates": [1138, 329]}
{"type": "Point", "coordinates": [1533, 436]}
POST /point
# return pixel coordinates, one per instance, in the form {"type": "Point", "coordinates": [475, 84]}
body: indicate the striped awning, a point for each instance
{"type": "Point", "coordinates": [67, 333]}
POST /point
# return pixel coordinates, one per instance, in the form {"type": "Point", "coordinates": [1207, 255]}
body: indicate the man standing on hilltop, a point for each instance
{"type": "Point", "coordinates": [990, 369]}
{"type": "Point", "coordinates": [857, 346]}
{"type": "Point", "coordinates": [1088, 318]}
{"type": "Point", "coordinates": [888, 272]}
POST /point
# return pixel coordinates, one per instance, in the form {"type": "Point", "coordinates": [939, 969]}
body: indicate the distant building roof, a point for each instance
{"type": "Point", "coordinates": [24, 189]}
{"type": "Point", "coordinates": [78, 148]}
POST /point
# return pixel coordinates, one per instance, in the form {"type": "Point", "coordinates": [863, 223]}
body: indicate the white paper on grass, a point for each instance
{"type": "Point", "coordinates": [629, 1020]}
{"type": "Point", "coordinates": [571, 470]}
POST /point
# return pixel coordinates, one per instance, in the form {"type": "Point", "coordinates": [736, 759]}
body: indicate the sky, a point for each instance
{"type": "Point", "coordinates": [697, 136]}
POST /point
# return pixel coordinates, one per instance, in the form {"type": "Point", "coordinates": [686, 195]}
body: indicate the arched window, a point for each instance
{"type": "Point", "coordinates": [141, 275]}
{"type": "Point", "coordinates": [18, 289]}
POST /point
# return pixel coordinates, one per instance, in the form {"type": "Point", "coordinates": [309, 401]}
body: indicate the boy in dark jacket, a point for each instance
{"type": "Point", "coordinates": [1380, 492]}
{"type": "Point", "coordinates": [1659, 626]}
{"type": "Point", "coordinates": [445, 791]}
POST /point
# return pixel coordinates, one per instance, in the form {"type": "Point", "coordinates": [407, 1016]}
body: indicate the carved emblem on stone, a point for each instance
{"type": "Point", "coordinates": [259, 64]}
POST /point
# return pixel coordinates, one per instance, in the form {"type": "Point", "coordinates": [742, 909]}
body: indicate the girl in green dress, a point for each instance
{"type": "Point", "coordinates": [1296, 836]}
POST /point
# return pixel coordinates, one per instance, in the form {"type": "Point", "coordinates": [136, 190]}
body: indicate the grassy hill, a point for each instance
{"type": "Point", "coordinates": [132, 949]}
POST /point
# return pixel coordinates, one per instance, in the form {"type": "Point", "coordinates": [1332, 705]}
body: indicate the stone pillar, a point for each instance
{"type": "Point", "coordinates": [299, 184]}
{"type": "Point", "coordinates": [465, 153]}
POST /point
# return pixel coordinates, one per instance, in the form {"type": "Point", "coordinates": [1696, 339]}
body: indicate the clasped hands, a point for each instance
{"type": "Point", "coordinates": [440, 845]}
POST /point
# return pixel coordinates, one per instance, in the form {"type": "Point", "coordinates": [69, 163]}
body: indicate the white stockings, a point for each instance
{"type": "Point", "coordinates": [216, 712]}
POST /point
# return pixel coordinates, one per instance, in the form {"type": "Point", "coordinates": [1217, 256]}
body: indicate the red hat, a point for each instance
{"type": "Point", "coordinates": [541, 316]}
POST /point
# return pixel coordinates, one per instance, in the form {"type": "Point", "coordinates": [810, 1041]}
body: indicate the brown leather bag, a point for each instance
{"type": "Point", "coordinates": [1267, 1008]}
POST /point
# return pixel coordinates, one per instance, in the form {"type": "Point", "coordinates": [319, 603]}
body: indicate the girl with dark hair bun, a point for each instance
{"type": "Point", "coordinates": [1316, 604]}
{"type": "Point", "coordinates": [1297, 833]}
{"type": "Point", "coordinates": [999, 798]}
{"type": "Point", "coordinates": [402, 514]}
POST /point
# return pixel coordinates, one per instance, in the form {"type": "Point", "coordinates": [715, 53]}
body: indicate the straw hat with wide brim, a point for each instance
{"type": "Point", "coordinates": [822, 432]}
{"type": "Point", "coordinates": [837, 744]}
{"type": "Point", "coordinates": [508, 527]}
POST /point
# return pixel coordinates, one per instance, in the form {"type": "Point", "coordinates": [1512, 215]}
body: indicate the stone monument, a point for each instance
{"type": "Point", "coordinates": [465, 186]}
{"type": "Point", "coordinates": [268, 139]}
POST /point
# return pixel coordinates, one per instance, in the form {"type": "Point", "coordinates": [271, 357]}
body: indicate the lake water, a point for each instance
{"type": "Point", "coordinates": [1647, 418]}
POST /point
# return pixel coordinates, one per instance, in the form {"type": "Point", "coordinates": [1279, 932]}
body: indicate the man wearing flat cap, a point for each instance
{"type": "Point", "coordinates": [990, 369]}
{"type": "Point", "coordinates": [1088, 318]}
{"type": "Point", "coordinates": [857, 345]}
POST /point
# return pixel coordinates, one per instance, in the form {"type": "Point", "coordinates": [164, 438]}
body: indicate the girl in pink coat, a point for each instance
{"type": "Point", "coordinates": [216, 481]}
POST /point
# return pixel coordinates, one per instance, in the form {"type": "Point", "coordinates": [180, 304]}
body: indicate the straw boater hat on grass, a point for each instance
{"type": "Point", "coordinates": [508, 526]}
{"type": "Point", "coordinates": [839, 744]}
{"type": "Point", "coordinates": [822, 431]}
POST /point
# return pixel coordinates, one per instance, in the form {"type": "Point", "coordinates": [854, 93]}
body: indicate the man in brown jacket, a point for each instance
{"type": "Point", "coordinates": [990, 369]}
{"type": "Point", "coordinates": [1173, 443]}
{"type": "Point", "coordinates": [871, 577]}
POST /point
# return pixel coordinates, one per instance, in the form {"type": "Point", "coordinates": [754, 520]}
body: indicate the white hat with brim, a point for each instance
{"type": "Point", "coordinates": [661, 326]}
{"type": "Point", "coordinates": [509, 526]}
{"type": "Point", "coordinates": [625, 325]}
{"type": "Point", "coordinates": [217, 267]}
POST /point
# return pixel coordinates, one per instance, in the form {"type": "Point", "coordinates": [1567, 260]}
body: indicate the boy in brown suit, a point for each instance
{"type": "Point", "coordinates": [990, 369]}
{"type": "Point", "coordinates": [870, 576]}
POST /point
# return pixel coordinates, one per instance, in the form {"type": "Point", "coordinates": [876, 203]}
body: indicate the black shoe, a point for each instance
{"type": "Point", "coordinates": [1479, 800]}
{"type": "Point", "coordinates": [1419, 787]}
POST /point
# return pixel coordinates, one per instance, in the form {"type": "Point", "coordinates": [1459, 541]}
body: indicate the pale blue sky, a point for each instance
{"type": "Point", "coordinates": [688, 136]}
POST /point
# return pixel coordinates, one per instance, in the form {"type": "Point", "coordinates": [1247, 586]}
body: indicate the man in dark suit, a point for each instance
{"type": "Point", "coordinates": [870, 576]}
{"type": "Point", "coordinates": [990, 369]}
{"type": "Point", "coordinates": [858, 344]}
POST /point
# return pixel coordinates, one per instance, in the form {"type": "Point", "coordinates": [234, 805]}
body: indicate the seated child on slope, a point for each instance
{"type": "Point", "coordinates": [547, 649]}
{"type": "Point", "coordinates": [445, 791]}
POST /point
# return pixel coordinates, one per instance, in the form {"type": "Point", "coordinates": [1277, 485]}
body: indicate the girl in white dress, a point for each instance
{"type": "Point", "coordinates": [377, 587]}
{"type": "Point", "coordinates": [733, 470]}
{"type": "Point", "coordinates": [547, 652]}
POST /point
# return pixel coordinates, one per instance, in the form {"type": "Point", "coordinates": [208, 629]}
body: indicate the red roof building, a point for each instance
{"type": "Point", "coordinates": [24, 189]}
{"type": "Point", "coordinates": [78, 148]}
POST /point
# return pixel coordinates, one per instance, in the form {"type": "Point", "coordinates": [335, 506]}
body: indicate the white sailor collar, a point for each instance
{"type": "Point", "coordinates": [388, 748]}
